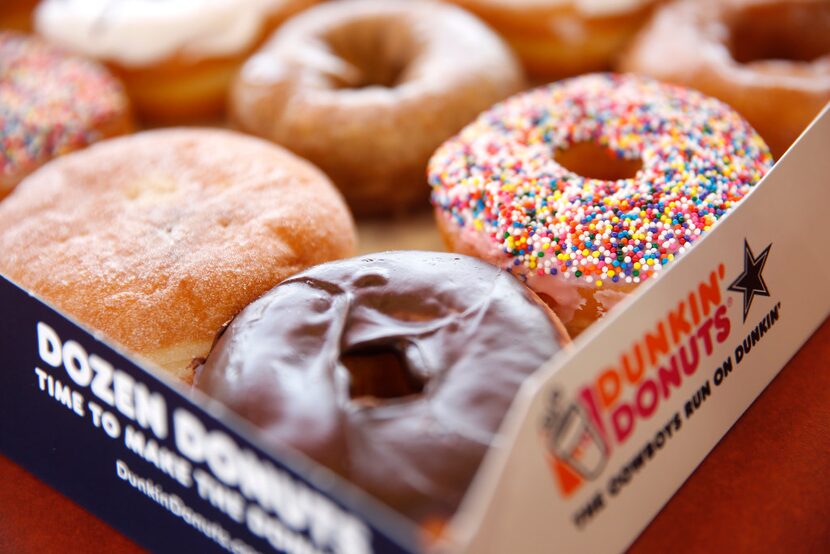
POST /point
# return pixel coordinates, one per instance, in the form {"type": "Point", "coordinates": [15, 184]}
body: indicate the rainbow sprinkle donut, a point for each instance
{"type": "Point", "coordinates": [583, 242]}
{"type": "Point", "coordinates": [52, 103]}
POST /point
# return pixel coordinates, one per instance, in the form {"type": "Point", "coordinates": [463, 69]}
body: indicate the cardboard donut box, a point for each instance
{"type": "Point", "coordinates": [596, 441]}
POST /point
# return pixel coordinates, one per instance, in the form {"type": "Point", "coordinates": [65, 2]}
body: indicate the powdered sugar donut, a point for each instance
{"type": "Point", "coordinates": [159, 238]}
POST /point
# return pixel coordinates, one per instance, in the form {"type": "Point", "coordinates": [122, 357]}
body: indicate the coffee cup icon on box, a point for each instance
{"type": "Point", "coordinates": [575, 440]}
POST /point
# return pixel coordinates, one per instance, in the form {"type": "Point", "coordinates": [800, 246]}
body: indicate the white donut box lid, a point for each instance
{"type": "Point", "coordinates": [589, 453]}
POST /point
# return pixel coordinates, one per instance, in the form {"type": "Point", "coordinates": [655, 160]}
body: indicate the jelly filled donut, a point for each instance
{"type": "Point", "coordinates": [158, 239]}
{"type": "Point", "coordinates": [768, 59]}
{"type": "Point", "coordinates": [560, 38]}
{"type": "Point", "coordinates": [589, 186]}
{"type": "Point", "coordinates": [394, 369]}
{"type": "Point", "coordinates": [176, 58]}
{"type": "Point", "coordinates": [51, 103]}
{"type": "Point", "coordinates": [367, 89]}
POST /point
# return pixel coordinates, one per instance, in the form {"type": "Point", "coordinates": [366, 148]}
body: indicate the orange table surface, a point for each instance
{"type": "Point", "coordinates": [764, 488]}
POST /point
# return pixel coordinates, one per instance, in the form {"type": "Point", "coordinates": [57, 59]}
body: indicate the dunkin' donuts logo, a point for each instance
{"type": "Point", "coordinates": [606, 412]}
{"type": "Point", "coordinates": [581, 434]}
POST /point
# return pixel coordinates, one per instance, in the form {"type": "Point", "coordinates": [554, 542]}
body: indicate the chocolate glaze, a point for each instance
{"type": "Point", "coordinates": [451, 337]}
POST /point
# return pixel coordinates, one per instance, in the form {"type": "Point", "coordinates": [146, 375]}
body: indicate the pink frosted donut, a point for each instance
{"type": "Point", "coordinates": [650, 167]}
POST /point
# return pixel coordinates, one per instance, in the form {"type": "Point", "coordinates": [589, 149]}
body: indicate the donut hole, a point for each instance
{"type": "Point", "coordinates": [789, 31]}
{"type": "Point", "coordinates": [376, 56]}
{"type": "Point", "coordinates": [594, 161]}
{"type": "Point", "coordinates": [379, 373]}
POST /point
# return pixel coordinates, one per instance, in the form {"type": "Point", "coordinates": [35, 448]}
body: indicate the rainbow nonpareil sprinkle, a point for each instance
{"type": "Point", "coordinates": [499, 176]}
{"type": "Point", "coordinates": [50, 103]}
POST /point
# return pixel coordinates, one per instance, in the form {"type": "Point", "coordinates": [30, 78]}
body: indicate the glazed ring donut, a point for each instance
{"type": "Point", "coordinates": [560, 38]}
{"type": "Point", "coordinates": [589, 186]}
{"type": "Point", "coordinates": [159, 238]}
{"type": "Point", "coordinates": [177, 58]}
{"type": "Point", "coordinates": [394, 369]}
{"type": "Point", "coordinates": [367, 89]}
{"type": "Point", "coordinates": [768, 59]}
{"type": "Point", "coordinates": [51, 103]}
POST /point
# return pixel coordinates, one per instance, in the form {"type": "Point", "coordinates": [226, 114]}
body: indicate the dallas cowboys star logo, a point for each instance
{"type": "Point", "coordinates": [751, 282]}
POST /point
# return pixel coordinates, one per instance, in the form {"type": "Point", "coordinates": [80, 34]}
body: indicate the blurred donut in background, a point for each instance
{"type": "Point", "coordinates": [51, 103]}
{"type": "Point", "coordinates": [175, 58]}
{"type": "Point", "coordinates": [768, 59]}
{"type": "Point", "coordinates": [17, 14]}
{"type": "Point", "coordinates": [368, 89]}
{"type": "Point", "coordinates": [562, 38]}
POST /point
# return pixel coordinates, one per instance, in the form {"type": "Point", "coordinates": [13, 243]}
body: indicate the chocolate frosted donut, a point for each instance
{"type": "Point", "coordinates": [394, 369]}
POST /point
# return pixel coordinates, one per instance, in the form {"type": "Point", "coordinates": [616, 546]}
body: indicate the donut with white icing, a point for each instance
{"type": "Point", "coordinates": [175, 58]}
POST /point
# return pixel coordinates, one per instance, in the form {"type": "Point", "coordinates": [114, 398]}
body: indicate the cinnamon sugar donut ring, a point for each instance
{"type": "Point", "coordinates": [367, 89]}
{"type": "Point", "coordinates": [51, 103]}
{"type": "Point", "coordinates": [589, 186]}
{"type": "Point", "coordinates": [769, 59]}
{"type": "Point", "coordinates": [560, 38]}
{"type": "Point", "coordinates": [176, 58]}
{"type": "Point", "coordinates": [158, 239]}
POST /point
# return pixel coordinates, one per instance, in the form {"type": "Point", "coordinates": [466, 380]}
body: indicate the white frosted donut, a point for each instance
{"type": "Point", "coordinates": [176, 58]}
{"type": "Point", "coordinates": [143, 32]}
